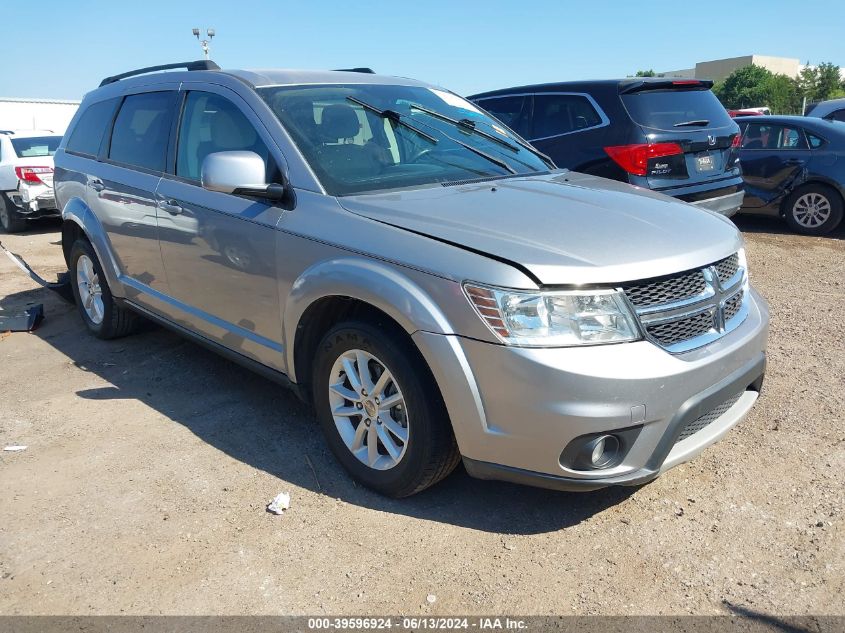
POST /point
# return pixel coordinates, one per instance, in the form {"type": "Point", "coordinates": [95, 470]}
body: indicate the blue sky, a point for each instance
{"type": "Point", "coordinates": [67, 46]}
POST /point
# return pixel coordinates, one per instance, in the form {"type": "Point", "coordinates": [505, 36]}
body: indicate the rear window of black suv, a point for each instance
{"type": "Point", "coordinates": [665, 109]}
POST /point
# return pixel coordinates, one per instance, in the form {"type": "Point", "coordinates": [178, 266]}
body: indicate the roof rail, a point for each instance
{"type": "Point", "coordinates": [202, 64]}
{"type": "Point", "coordinates": [368, 71]}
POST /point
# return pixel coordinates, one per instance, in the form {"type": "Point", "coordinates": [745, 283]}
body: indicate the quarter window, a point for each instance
{"type": "Point", "coordinates": [211, 123]}
{"type": "Point", "coordinates": [142, 129]}
{"type": "Point", "coordinates": [512, 111]}
{"type": "Point", "coordinates": [562, 114]}
{"type": "Point", "coordinates": [815, 141]}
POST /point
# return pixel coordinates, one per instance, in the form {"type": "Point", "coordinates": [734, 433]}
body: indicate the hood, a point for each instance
{"type": "Point", "coordinates": [562, 228]}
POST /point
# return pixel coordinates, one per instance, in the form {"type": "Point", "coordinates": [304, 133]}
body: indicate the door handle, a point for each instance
{"type": "Point", "coordinates": [170, 206]}
{"type": "Point", "coordinates": [794, 161]}
{"type": "Point", "coordinates": [96, 185]}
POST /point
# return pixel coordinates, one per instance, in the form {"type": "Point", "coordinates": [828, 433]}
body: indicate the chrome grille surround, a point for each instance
{"type": "Point", "coordinates": [692, 308]}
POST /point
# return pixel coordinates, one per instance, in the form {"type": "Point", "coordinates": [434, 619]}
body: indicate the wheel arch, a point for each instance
{"type": "Point", "coordinates": [815, 179]}
{"type": "Point", "coordinates": [331, 291]}
{"type": "Point", "coordinates": [79, 221]}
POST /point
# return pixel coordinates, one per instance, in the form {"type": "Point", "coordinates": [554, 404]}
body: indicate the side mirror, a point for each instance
{"type": "Point", "coordinates": [239, 173]}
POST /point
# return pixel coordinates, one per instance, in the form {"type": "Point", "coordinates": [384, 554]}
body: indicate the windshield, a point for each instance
{"type": "Point", "coordinates": [360, 138]}
{"type": "Point", "coordinates": [29, 146]}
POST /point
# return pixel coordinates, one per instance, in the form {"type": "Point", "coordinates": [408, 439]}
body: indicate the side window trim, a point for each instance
{"type": "Point", "coordinates": [106, 145]}
{"type": "Point", "coordinates": [605, 121]}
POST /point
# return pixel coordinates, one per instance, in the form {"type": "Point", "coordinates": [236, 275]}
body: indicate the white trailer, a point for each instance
{"type": "Point", "coordinates": [36, 114]}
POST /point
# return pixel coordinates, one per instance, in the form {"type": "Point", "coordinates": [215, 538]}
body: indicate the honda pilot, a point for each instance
{"type": "Point", "coordinates": [669, 135]}
{"type": "Point", "coordinates": [432, 284]}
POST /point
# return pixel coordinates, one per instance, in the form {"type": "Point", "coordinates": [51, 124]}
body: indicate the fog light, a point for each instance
{"type": "Point", "coordinates": [603, 451]}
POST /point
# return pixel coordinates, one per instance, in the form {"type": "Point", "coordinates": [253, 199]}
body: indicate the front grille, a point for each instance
{"type": "Point", "coordinates": [690, 309]}
{"type": "Point", "coordinates": [682, 329]}
{"type": "Point", "coordinates": [733, 305]}
{"type": "Point", "coordinates": [683, 286]}
{"type": "Point", "coordinates": [708, 418]}
{"type": "Point", "coordinates": [727, 268]}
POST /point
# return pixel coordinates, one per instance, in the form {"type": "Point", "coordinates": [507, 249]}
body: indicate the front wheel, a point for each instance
{"type": "Point", "coordinates": [813, 210]}
{"type": "Point", "coordinates": [380, 409]}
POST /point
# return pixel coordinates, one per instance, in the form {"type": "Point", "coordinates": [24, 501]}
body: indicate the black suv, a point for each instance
{"type": "Point", "coordinates": [669, 135]}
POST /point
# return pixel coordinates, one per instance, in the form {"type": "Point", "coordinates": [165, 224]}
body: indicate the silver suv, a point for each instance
{"type": "Point", "coordinates": [428, 280]}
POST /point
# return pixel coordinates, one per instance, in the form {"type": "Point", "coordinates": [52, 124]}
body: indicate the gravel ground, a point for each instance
{"type": "Point", "coordinates": [150, 462]}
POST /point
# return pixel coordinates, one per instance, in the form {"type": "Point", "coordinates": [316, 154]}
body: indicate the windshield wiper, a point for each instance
{"type": "Point", "coordinates": [694, 123]}
{"type": "Point", "coordinates": [465, 124]}
{"type": "Point", "coordinates": [469, 125]}
{"type": "Point", "coordinates": [392, 115]}
{"type": "Point", "coordinates": [483, 154]}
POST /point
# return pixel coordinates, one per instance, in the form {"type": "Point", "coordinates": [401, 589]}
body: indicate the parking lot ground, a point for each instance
{"type": "Point", "coordinates": [150, 461]}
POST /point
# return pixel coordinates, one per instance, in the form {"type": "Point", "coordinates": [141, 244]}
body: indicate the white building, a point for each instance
{"type": "Point", "coordinates": [36, 114]}
{"type": "Point", "coordinates": [719, 69]}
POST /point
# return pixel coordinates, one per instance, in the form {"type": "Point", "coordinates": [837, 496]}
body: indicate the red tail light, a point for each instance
{"type": "Point", "coordinates": [31, 174]}
{"type": "Point", "coordinates": [737, 141]}
{"type": "Point", "coordinates": [634, 158]}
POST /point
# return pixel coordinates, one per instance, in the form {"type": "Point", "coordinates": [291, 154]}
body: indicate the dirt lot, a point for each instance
{"type": "Point", "coordinates": [150, 462]}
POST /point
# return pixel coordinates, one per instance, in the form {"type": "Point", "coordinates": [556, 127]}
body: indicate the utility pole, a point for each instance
{"type": "Point", "coordinates": [204, 43]}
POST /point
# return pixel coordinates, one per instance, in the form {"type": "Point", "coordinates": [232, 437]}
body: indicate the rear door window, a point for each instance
{"type": "Point", "coordinates": [556, 114]}
{"type": "Point", "coordinates": [665, 109]}
{"type": "Point", "coordinates": [87, 134]}
{"type": "Point", "coordinates": [142, 129]}
{"type": "Point", "coordinates": [512, 111]}
{"type": "Point", "coordinates": [763, 136]}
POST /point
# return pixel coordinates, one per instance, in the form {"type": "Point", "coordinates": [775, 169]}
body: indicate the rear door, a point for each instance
{"type": "Point", "coordinates": [774, 158]}
{"type": "Point", "coordinates": [690, 130]}
{"type": "Point", "coordinates": [122, 189]}
{"type": "Point", "coordinates": [219, 249]}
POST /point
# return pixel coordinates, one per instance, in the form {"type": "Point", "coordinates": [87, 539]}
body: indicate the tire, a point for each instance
{"type": "Point", "coordinates": [429, 452]}
{"type": "Point", "coordinates": [9, 218]}
{"type": "Point", "coordinates": [813, 210]}
{"type": "Point", "coordinates": [108, 319]}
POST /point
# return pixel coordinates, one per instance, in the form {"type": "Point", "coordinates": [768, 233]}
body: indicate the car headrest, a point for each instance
{"type": "Point", "coordinates": [226, 134]}
{"type": "Point", "coordinates": [339, 121]}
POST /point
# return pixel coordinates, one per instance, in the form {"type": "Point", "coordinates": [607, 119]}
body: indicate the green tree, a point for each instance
{"type": "Point", "coordinates": [827, 81]}
{"type": "Point", "coordinates": [780, 93]}
{"type": "Point", "coordinates": [646, 73]}
{"type": "Point", "coordinates": [743, 88]}
{"type": "Point", "coordinates": [808, 80]}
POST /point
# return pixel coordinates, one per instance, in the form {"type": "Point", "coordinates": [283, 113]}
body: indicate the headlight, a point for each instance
{"type": "Point", "coordinates": [554, 319]}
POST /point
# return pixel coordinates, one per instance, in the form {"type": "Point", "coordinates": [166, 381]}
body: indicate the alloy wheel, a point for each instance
{"type": "Point", "coordinates": [90, 291]}
{"type": "Point", "coordinates": [368, 409]}
{"type": "Point", "coordinates": [811, 210]}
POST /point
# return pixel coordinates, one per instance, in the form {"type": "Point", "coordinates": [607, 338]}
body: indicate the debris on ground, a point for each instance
{"type": "Point", "coordinates": [15, 449]}
{"type": "Point", "coordinates": [279, 504]}
{"type": "Point", "coordinates": [23, 320]}
{"type": "Point", "coordinates": [431, 598]}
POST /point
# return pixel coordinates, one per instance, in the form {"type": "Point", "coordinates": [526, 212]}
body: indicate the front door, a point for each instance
{"type": "Point", "coordinates": [219, 249]}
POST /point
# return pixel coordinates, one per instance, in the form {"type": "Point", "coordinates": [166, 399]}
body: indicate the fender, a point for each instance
{"type": "Point", "coordinates": [371, 281]}
{"type": "Point", "coordinates": [79, 213]}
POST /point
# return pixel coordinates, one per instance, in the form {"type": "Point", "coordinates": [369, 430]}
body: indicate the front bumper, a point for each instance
{"type": "Point", "coordinates": [514, 410]}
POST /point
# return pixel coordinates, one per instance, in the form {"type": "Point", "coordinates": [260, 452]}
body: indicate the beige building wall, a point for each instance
{"type": "Point", "coordinates": [719, 69]}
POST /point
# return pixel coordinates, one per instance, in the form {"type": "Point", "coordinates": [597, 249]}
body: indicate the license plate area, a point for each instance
{"type": "Point", "coordinates": [705, 162]}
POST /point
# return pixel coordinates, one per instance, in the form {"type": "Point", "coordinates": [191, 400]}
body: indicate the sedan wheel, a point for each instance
{"type": "Point", "coordinates": [811, 210]}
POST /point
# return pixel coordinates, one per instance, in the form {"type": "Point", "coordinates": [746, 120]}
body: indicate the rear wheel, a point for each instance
{"type": "Point", "coordinates": [380, 409]}
{"type": "Point", "coordinates": [102, 315]}
{"type": "Point", "coordinates": [813, 210]}
{"type": "Point", "coordinates": [9, 218]}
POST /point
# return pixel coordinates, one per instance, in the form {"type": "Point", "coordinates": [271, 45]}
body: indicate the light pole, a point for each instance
{"type": "Point", "coordinates": [204, 43]}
